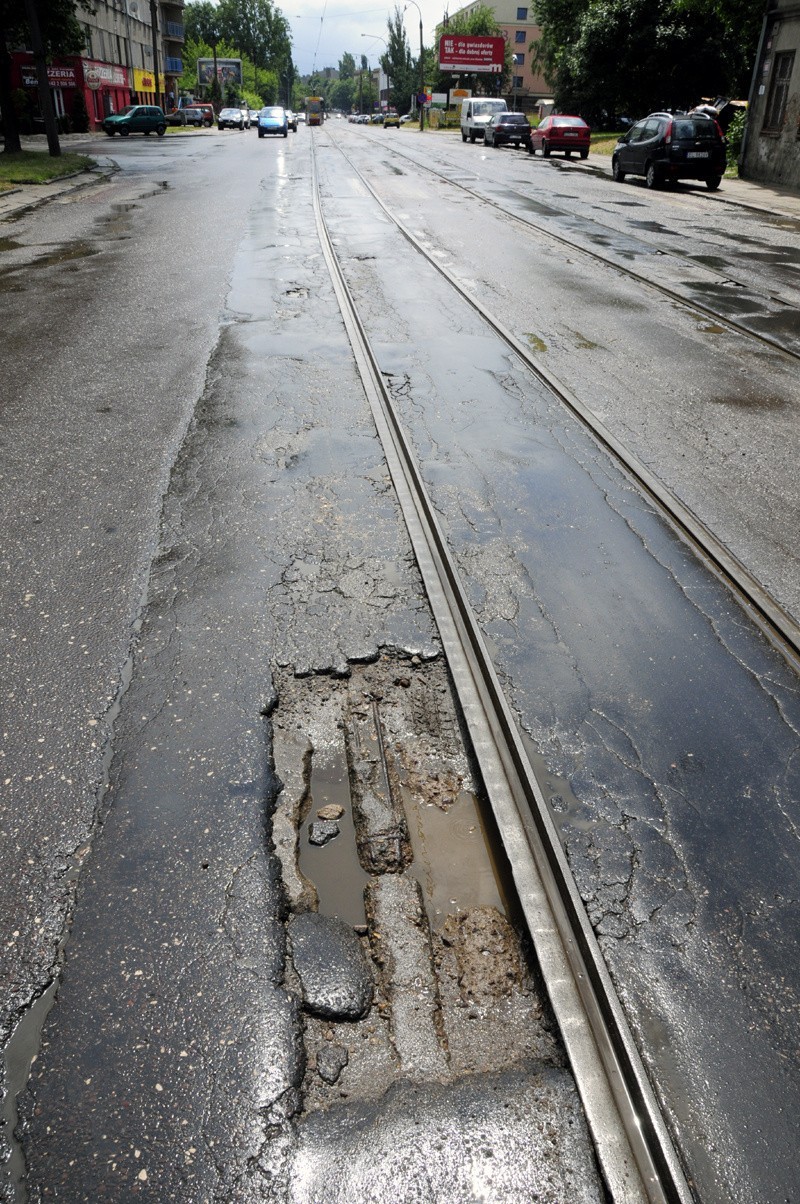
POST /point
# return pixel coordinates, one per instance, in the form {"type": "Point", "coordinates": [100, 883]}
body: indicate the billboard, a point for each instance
{"type": "Point", "coordinates": [229, 71]}
{"type": "Point", "coordinates": [468, 53]}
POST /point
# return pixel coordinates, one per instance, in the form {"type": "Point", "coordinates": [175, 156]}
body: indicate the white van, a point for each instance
{"type": "Point", "coordinates": [476, 113]}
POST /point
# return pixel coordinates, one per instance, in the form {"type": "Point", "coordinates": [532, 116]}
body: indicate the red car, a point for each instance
{"type": "Point", "coordinates": [560, 133]}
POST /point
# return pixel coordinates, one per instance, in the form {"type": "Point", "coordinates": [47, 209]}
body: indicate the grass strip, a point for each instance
{"type": "Point", "coordinates": [38, 167]}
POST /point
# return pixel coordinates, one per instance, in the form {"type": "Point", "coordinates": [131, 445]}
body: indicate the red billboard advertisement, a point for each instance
{"type": "Point", "coordinates": [461, 52]}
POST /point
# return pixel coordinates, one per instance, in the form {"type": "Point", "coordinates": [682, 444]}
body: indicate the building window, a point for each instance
{"type": "Point", "coordinates": [779, 90]}
{"type": "Point", "coordinates": [522, 14]}
{"type": "Point", "coordinates": [517, 82]}
{"type": "Point", "coordinates": [519, 60]}
{"type": "Point", "coordinates": [520, 35]}
{"type": "Point", "coordinates": [87, 33]}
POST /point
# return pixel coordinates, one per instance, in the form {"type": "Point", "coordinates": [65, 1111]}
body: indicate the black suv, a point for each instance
{"type": "Point", "coordinates": [508, 129]}
{"type": "Point", "coordinates": [665, 147]}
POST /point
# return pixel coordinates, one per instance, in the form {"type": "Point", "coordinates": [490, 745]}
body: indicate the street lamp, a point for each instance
{"type": "Point", "coordinates": [421, 67]}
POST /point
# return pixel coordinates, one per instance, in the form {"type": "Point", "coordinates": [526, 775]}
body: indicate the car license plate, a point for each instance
{"type": "Point", "coordinates": [570, 134]}
{"type": "Point", "coordinates": [697, 154]}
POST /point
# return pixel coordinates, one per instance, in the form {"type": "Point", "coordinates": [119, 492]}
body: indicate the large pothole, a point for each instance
{"type": "Point", "coordinates": [386, 843]}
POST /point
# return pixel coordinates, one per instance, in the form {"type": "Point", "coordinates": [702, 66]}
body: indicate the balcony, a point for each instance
{"type": "Point", "coordinates": [173, 66]}
{"type": "Point", "coordinates": [173, 30]}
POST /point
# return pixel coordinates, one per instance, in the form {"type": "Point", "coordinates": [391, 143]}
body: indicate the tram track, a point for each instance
{"type": "Point", "coordinates": [633, 1145]}
{"type": "Point", "coordinates": [777, 625]}
{"type": "Point", "coordinates": [672, 294]}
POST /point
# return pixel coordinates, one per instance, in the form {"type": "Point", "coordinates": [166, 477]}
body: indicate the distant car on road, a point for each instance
{"type": "Point", "coordinates": [136, 119]}
{"type": "Point", "coordinates": [508, 129]}
{"type": "Point", "coordinates": [561, 133]}
{"type": "Point", "coordinates": [667, 147]}
{"type": "Point", "coordinates": [272, 120]}
{"type": "Point", "coordinates": [233, 119]}
{"type": "Point", "coordinates": [391, 120]}
{"type": "Point", "coordinates": [254, 119]}
{"type": "Point", "coordinates": [291, 117]}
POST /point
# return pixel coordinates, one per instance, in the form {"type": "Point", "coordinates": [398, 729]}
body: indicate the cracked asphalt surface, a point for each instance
{"type": "Point", "coordinates": [258, 527]}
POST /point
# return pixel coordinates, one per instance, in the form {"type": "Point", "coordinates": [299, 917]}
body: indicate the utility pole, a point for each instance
{"type": "Point", "coordinates": [420, 105]}
{"type": "Point", "coordinates": [154, 31]}
{"type": "Point", "coordinates": [40, 59]}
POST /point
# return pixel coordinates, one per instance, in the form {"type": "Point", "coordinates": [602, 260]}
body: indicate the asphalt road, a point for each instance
{"type": "Point", "coordinates": [193, 491]}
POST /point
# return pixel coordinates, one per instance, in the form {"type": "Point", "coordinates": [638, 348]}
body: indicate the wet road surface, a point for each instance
{"type": "Point", "coordinates": [668, 727]}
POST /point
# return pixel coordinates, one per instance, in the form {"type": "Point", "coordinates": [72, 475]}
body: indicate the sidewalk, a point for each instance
{"type": "Point", "coordinates": [26, 196]}
{"type": "Point", "coordinates": [768, 198]}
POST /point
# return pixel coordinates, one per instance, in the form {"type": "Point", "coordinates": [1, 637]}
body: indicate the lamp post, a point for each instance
{"type": "Point", "coordinates": [421, 66]}
{"type": "Point", "coordinates": [378, 38]}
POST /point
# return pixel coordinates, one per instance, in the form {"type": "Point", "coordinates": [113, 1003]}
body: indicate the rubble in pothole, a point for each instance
{"type": "Point", "coordinates": [413, 873]}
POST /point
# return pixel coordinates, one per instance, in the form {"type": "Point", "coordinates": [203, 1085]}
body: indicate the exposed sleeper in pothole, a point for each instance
{"type": "Point", "coordinates": [419, 991]}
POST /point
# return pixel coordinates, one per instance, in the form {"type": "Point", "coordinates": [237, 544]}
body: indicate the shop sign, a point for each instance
{"type": "Point", "coordinates": [144, 81]}
{"type": "Point", "coordinates": [57, 77]}
{"type": "Point", "coordinates": [104, 75]}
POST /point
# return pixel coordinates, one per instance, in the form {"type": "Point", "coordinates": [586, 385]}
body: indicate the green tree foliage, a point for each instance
{"type": "Point", "coordinates": [480, 21]}
{"type": "Point", "coordinates": [611, 57]}
{"type": "Point", "coordinates": [347, 68]}
{"type": "Point", "coordinates": [341, 92]}
{"type": "Point", "coordinates": [399, 65]}
{"type": "Point", "coordinates": [254, 28]}
{"type": "Point", "coordinates": [261, 86]}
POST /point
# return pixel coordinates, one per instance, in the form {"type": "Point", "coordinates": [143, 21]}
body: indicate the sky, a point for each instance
{"type": "Point", "coordinates": [323, 31]}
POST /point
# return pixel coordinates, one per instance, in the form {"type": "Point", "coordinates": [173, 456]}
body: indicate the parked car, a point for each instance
{"type": "Point", "coordinates": [476, 113]}
{"type": "Point", "coordinates": [272, 120]}
{"type": "Point", "coordinates": [233, 119]}
{"type": "Point", "coordinates": [666, 147]}
{"type": "Point", "coordinates": [508, 129]}
{"type": "Point", "coordinates": [391, 121]}
{"type": "Point", "coordinates": [561, 133]}
{"type": "Point", "coordinates": [136, 119]}
{"type": "Point", "coordinates": [291, 117]}
{"type": "Point", "coordinates": [207, 109]}
{"type": "Point", "coordinates": [404, 120]}
{"type": "Point", "coordinates": [188, 115]}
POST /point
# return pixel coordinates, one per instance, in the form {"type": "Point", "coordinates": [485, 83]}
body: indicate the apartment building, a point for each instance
{"type": "Point", "coordinates": [119, 64]}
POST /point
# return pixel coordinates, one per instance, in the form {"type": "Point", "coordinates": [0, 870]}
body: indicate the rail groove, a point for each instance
{"type": "Point", "coordinates": [633, 1146]}
{"type": "Point", "coordinates": [776, 624]}
{"type": "Point", "coordinates": [707, 311]}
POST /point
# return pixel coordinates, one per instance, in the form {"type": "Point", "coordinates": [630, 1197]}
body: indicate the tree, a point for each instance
{"type": "Point", "coordinates": [399, 65]}
{"type": "Point", "coordinates": [347, 67]}
{"type": "Point", "coordinates": [61, 33]}
{"type": "Point", "coordinates": [609, 57]}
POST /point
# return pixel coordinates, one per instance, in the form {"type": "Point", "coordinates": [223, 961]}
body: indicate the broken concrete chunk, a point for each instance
{"type": "Point", "coordinates": [330, 811]}
{"type": "Point", "coordinates": [331, 1061]}
{"type": "Point", "coordinates": [487, 952]}
{"type": "Point", "coordinates": [320, 831]}
{"type": "Point", "coordinates": [334, 973]}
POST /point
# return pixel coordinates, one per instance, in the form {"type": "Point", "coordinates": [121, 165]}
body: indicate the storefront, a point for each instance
{"type": "Point", "coordinates": [106, 89]}
{"type": "Point", "coordinates": [145, 88]}
{"type": "Point", "coordinates": [62, 78]}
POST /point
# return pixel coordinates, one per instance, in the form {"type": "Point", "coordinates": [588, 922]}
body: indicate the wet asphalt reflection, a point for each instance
{"type": "Point", "coordinates": [645, 688]}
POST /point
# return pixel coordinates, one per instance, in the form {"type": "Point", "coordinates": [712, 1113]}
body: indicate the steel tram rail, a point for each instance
{"type": "Point", "coordinates": [700, 307]}
{"type": "Point", "coordinates": [777, 625]}
{"type": "Point", "coordinates": [633, 1145]}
